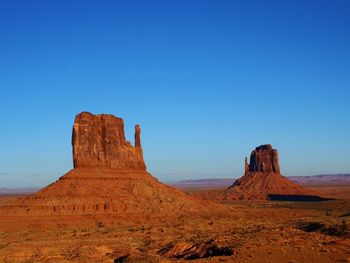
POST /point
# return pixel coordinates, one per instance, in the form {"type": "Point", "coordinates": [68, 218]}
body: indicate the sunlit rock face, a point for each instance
{"type": "Point", "coordinates": [99, 141]}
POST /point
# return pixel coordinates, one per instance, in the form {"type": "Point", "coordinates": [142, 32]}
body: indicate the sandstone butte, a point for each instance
{"type": "Point", "coordinates": [109, 177]}
{"type": "Point", "coordinates": [262, 180]}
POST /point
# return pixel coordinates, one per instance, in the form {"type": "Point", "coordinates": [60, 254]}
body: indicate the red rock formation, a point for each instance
{"type": "Point", "coordinates": [190, 251]}
{"type": "Point", "coordinates": [137, 136]}
{"type": "Point", "coordinates": [264, 159]}
{"type": "Point", "coordinates": [99, 141]}
{"type": "Point", "coordinates": [262, 179]}
{"type": "Point", "coordinates": [109, 176]}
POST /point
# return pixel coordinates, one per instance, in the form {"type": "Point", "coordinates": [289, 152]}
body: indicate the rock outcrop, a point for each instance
{"type": "Point", "coordinates": [109, 177]}
{"type": "Point", "coordinates": [190, 251]}
{"type": "Point", "coordinates": [99, 141]}
{"type": "Point", "coordinates": [262, 179]}
{"type": "Point", "coordinates": [264, 159]}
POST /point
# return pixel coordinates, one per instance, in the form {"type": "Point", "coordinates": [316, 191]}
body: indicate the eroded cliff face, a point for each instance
{"type": "Point", "coordinates": [264, 159]}
{"type": "Point", "coordinates": [99, 141]}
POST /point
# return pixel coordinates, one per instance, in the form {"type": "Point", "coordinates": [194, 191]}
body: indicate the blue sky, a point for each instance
{"type": "Point", "coordinates": [206, 80]}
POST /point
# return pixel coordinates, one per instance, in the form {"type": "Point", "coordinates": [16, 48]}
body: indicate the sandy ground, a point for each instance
{"type": "Point", "coordinates": [256, 232]}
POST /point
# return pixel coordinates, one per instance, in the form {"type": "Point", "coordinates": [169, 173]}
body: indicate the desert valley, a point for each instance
{"type": "Point", "coordinates": [174, 131]}
{"type": "Point", "coordinates": [110, 209]}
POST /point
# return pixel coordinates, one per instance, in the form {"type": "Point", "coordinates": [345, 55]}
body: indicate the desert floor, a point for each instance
{"type": "Point", "coordinates": [269, 231]}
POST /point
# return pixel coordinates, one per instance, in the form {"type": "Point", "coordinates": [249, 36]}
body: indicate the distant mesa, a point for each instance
{"type": "Point", "coordinates": [109, 177]}
{"type": "Point", "coordinates": [262, 180]}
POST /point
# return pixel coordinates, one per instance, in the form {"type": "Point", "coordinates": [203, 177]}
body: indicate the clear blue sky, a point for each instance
{"type": "Point", "coordinates": [207, 80]}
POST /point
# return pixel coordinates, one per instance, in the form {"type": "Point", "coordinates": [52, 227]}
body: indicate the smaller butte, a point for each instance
{"type": "Point", "coordinates": [262, 180]}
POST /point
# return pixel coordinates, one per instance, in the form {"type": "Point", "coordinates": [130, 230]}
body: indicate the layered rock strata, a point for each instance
{"type": "Point", "coordinates": [99, 141]}
{"type": "Point", "coordinates": [109, 177]}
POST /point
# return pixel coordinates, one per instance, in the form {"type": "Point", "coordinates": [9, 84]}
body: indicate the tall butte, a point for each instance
{"type": "Point", "coordinates": [109, 177]}
{"type": "Point", "coordinates": [99, 141]}
{"type": "Point", "coordinates": [262, 178]}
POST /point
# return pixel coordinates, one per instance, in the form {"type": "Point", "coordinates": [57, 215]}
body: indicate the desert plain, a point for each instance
{"type": "Point", "coordinates": [257, 231]}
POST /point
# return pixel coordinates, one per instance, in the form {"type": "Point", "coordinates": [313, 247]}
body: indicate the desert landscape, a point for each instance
{"type": "Point", "coordinates": [110, 209]}
{"type": "Point", "coordinates": [174, 131]}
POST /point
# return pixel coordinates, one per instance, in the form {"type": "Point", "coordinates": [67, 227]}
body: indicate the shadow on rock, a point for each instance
{"type": "Point", "coordinates": [122, 259]}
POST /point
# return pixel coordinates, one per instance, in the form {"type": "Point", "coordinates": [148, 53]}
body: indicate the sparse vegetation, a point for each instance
{"type": "Point", "coordinates": [253, 230]}
{"type": "Point", "coordinates": [339, 230]}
